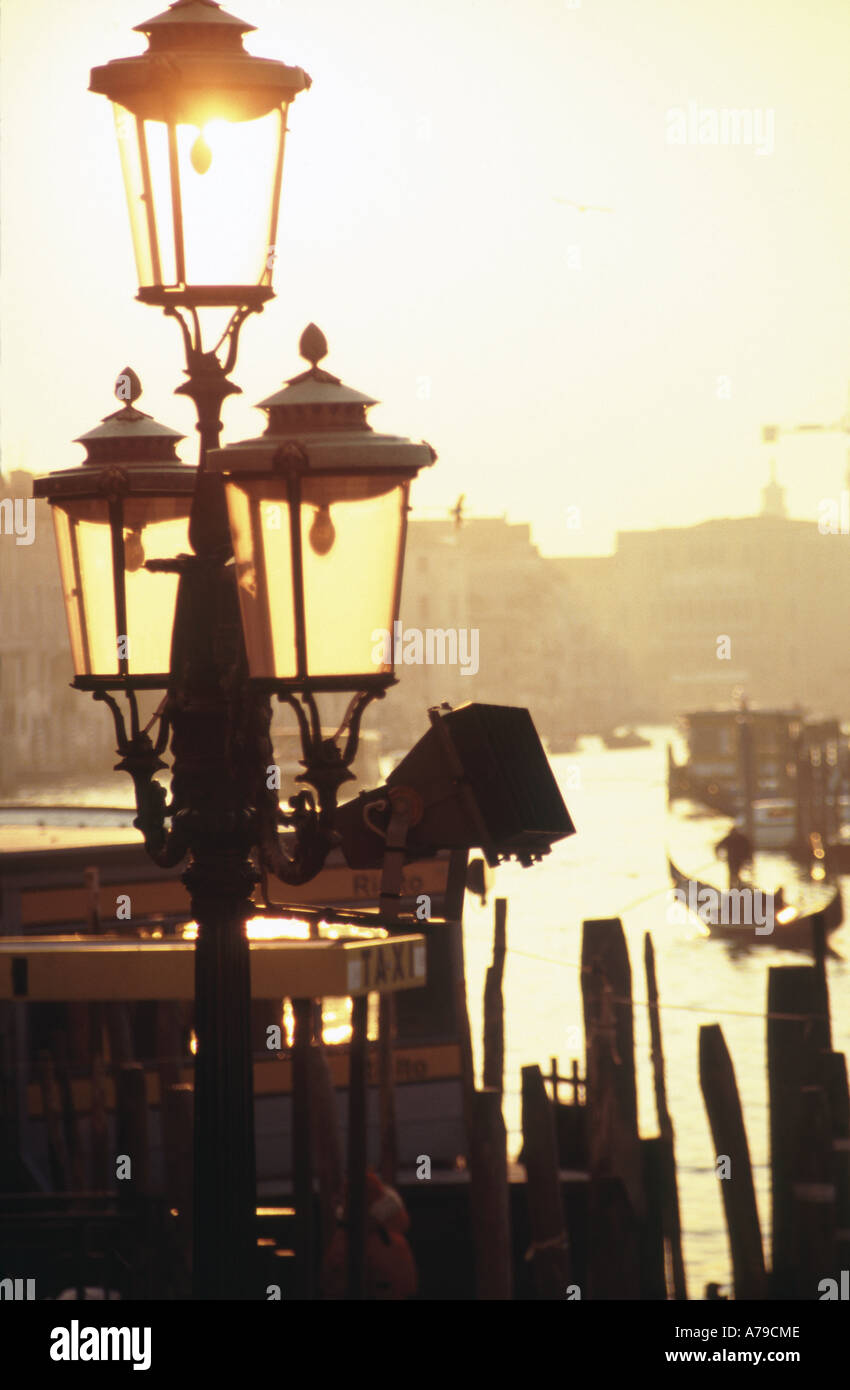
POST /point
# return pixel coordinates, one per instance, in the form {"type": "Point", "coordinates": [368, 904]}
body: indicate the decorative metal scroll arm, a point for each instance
{"type": "Point", "coordinates": [351, 721]}
{"type": "Point", "coordinates": [314, 837]}
{"type": "Point", "coordinates": [140, 757]}
{"type": "Point", "coordinates": [326, 768]}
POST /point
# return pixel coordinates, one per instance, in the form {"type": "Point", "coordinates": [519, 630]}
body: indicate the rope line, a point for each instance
{"type": "Point", "coordinates": [681, 1008]}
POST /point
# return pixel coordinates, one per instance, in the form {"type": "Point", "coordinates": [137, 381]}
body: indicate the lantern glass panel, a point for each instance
{"type": "Point", "coordinates": [203, 198]}
{"type": "Point", "coordinates": [251, 515]}
{"type": "Point", "coordinates": [151, 528]}
{"type": "Point", "coordinates": [351, 531]}
{"type": "Point", "coordinates": [351, 552]}
{"type": "Point", "coordinates": [85, 561]}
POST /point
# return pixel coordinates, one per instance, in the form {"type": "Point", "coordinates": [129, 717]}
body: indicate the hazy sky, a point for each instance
{"type": "Point", "coordinates": [553, 357]}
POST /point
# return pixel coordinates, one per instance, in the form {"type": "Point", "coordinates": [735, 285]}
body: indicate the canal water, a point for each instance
{"type": "Point", "coordinates": [616, 866]}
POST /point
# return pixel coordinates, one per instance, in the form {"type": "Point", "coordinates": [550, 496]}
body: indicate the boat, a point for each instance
{"type": "Point", "coordinates": [792, 926]}
{"type": "Point", "coordinates": [63, 869]}
{"type": "Point", "coordinates": [559, 743]}
{"type": "Point", "coordinates": [625, 738]}
{"type": "Point", "coordinates": [742, 753]}
{"type": "Point", "coordinates": [774, 823]}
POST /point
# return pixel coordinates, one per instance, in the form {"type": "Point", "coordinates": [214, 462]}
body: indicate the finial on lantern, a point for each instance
{"type": "Point", "coordinates": [128, 388]}
{"type": "Point", "coordinates": [313, 345]}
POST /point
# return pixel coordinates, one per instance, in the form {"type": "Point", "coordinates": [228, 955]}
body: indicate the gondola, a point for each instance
{"type": "Point", "coordinates": [792, 928]}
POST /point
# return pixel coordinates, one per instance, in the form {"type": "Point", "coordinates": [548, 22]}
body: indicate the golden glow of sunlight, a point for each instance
{"type": "Point", "coordinates": [336, 1012]}
{"type": "Point", "coordinates": [226, 190]}
{"type": "Point", "coordinates": [294, 929]}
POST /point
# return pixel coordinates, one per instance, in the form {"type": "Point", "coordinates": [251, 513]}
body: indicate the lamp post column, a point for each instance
{"type": "Point", "coordinates": [218, 764]}
{"type": "Point", "coordinates": [220, 880]}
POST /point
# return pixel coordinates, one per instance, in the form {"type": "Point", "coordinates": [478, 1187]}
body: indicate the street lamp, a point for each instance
{"type": "Point", "coordinates": [201, 126]}
{"type": "Point", "coordinates": [127, 506]}
{"type": "Point", "coordinates": [315, 502]}
{"type": "Point", "coordinates": [318, 516]}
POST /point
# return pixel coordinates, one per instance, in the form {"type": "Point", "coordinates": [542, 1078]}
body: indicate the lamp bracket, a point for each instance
{"type": "Point", "coordinates": [140, 756]}
{"type": "Point", "coordinates": [326, 764]}
{"type": "Point", "coordinates": [326, 767]}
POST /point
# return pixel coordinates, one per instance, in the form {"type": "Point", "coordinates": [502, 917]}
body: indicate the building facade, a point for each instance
{"type": "Point", "coordinates": [757, 604]}
{"type": "Point", "coordinates": [535, 646]}
{"type": "Point", "coordinates": [49, 731]}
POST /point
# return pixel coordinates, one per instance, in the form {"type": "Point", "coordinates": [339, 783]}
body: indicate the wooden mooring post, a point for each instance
{"type": "Point", "coordinates": [822, 1022]}
{"type": "Point", "coordinates": [490, 1199]}
{"type": "Point", "coordinates": [726, 1119]}
{"type": "Point", "coordinates": [549, 1251]}
{"type": "Point", "coordinates": [839, 1108]}
{"type": "Point", "coordinates": [494, 1012]}
{"type": "Point", "coordinates": [801, 1139]}
{"type": "Point", "coordinates": [670, 1218]}
{"type": "Point", "coordinates": [617, 1205]}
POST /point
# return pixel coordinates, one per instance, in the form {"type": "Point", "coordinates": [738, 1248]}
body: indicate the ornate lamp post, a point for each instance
{"type": "Point", "coordinates": [201, 124]}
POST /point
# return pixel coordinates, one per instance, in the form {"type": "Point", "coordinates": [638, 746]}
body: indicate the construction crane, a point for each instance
{"type": "Point", "coordinates": [771, 433]}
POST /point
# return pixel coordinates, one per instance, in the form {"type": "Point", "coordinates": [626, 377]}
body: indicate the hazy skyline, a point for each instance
{"type": "Point", "coordinates": [554, 358]}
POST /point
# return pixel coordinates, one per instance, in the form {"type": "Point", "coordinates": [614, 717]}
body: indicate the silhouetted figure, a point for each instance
{"type": "Point", "coordinates": [738, 851]}
{"type": "Point", "coordinates": [390, 1269]}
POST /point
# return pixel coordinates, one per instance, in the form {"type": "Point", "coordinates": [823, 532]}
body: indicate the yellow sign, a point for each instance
{"type": "Point", "coordinates": [391, 965]}
{"type": "Point", "coordinates": [47, 968]}
{"type": "Point", "coordinates": [336, 884]}
{"type": "Point", "coordinates": [437, 1062]}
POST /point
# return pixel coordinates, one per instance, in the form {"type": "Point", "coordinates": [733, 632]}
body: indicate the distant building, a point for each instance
{"type": "Point", "coordinates": [536, 646]}
{"type": "Point", "coordinates": [757, 602]}
{"type": "Point", "coordinates": [674, 620]}
{"type": "Point", "coordinates": [48, 731]}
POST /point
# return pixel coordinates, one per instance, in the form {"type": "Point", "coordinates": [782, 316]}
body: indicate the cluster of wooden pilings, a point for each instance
{"type": "Point", "coordinates": [821, 774]}
{"type": "Point", "coordinates": [602, 1202]}
{"type": "Point", "coordinates": [809, 1141]}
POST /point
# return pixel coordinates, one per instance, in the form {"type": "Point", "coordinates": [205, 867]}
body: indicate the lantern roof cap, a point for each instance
{"type": "Point", "coordinates": [195, 69]}
{"type": "Point", "coordinates": [315, 387]}
{"type": "Point", "coordinates": [129, 424]}
{"type": "Point", "coordinates": [316, 425]}
{"type": "Point", "coordinates": [195, 12]}
{"type": "Point", "coordinates": [127, 453]}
